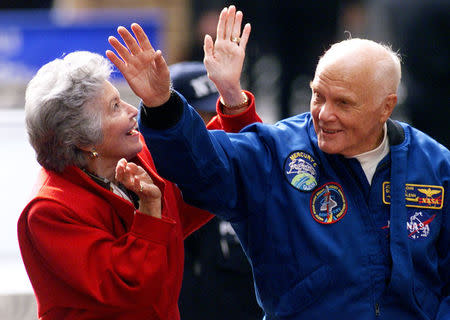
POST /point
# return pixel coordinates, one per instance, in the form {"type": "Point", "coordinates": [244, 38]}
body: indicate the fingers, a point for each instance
{"type": "Point", "coordinates": [120, 169]}
{"type": "Point", "coordinates": [160, 62]}
{"type": "Point", "coordinates": [120, 48]}
{"type": "Point", "coordinates": [221, 25]}
{"type": "Point", "coordinates": [237, 25]}
{"type": "Point", "coordinates": [115, 60]}
{"type": "Point", "coordinates": [229, 26]}
{"type": "Point", "coordinates": [230, 22]}
{"type": "Point", "coordinates": [129, 40]}
{"type": "Point", "coordinates": [141, 36]}
{"type": "Point", "coordinates": [208, 46]}
{"type": "Point", "coordinates": [245, 36]}
{"type": "Point", "coordinates": [133, 46]}
{"type": "Point", "coordinates": [130, 175]}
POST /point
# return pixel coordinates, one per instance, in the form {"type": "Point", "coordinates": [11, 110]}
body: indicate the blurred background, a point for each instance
{"type": "Point", "coordinates": [286, 40]}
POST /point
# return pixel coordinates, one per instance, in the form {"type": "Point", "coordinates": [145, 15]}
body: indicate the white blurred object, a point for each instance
{"type": "Point", "coordinates": [18, 172]}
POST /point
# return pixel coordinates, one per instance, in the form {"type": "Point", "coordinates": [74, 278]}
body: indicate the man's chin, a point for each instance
{"type": "Point", "coordinates": [328, 147]}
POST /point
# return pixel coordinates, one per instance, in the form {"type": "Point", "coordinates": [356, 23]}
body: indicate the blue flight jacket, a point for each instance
{"type": "Point", "coordinates": [321, 241]}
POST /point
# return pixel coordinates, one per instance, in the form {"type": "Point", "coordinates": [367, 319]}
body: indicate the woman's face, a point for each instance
{"type": "Point", "coordinates": [119, 127]}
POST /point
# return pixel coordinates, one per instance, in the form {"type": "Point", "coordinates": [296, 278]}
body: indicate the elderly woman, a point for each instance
{"type": "Point", "coordinates": [102, 237]}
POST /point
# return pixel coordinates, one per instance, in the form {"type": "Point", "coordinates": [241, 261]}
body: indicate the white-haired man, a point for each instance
{"type": "Point", "coordinates": [341, 211]}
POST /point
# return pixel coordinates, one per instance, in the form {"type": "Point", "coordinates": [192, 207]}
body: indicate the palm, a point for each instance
{"type": "Point", "coordinates": [224, 58]}
{"type": "Point", "coordinates": [144, 78]}
{"type": "Point", "coordinates": [225, 64]}
{"type": "Point", "coordinates": [144, 68]}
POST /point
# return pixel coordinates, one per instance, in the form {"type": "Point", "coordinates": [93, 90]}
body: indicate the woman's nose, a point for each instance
{"type": "Point", "coordinates": [131, 110]}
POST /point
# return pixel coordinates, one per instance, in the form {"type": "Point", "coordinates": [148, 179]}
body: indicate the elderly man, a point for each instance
{"type": "Point", "coordinates": [342, 211]}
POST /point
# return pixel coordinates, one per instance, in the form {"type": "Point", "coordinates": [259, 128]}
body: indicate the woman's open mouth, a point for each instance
{"type": "Point", "coordinates": [132, 132]}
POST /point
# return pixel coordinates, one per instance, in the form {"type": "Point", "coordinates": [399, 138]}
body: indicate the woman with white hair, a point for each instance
{"type": "Point", "coordinates": [102, 237]}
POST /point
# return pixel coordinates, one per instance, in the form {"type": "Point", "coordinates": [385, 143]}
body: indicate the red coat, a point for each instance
{"type": "Point", "coordinates": [237, 122]}
{"type": "Point", "coordinates": [90, 255]}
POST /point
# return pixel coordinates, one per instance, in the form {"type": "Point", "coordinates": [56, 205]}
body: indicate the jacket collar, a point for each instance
{"type": "Point", "coordinates": [395, 132]}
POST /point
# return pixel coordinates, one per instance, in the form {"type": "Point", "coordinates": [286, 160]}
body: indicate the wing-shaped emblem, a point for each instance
{"type": "Point", "coordinates": [429, 192]}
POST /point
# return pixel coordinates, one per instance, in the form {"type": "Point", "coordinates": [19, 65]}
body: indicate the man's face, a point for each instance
{"type": "Point", "coordinates": [347, 115]}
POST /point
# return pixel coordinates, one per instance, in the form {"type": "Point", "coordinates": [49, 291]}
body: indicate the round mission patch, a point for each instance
{"type": "Point", "coordinates": [328, 203]}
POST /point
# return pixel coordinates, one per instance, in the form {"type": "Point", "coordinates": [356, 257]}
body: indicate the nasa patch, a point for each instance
{"type": "Point", "coordinates": [301, 170]}
{"type": "Point", "coordinates": [419, 224]}
{"type": "Point", "coordinates": [418, 195]}
{"type": "Point", "coordinates": [328, 203]}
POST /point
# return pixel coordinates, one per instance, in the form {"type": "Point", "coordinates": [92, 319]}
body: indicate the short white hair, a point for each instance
{"type": "Point", "coordinates": [386, 63]}
{"type": "Point", "coordinates": [58, 118]}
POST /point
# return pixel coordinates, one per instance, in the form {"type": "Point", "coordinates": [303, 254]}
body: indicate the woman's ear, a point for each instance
{"type": "Point", "coordinates": [85, 148]}
{"type": "Point", "coordinates": [90, 151]}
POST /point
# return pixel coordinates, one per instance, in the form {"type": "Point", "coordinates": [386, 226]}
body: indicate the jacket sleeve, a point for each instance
{"type": "Point", "coordinates": [192, 218]}
{"type": "Point", "coordinates": [226, 173]}
{"type": "Point", "coordinates": [444, 309]}
{"type": "Point", "coordinates": [234, 123]}
{"type": "Point", "coordinates": [444, 263]}
{"type": "Point", "coordinates": [128, 271]}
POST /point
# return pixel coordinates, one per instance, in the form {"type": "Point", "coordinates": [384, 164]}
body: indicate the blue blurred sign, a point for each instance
{"type": "Point", "coordinates": [31, 38]}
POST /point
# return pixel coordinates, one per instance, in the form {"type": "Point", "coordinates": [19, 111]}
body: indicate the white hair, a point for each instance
{"type": "Point", "coordinates": [58, 118]}
{"type": "Point", "coordinates": [384, 62]}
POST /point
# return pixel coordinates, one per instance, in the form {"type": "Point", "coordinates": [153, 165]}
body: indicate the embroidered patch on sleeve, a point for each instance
{"type": "Point", "coordinates": [301, 170]}
{"type": "Point", "coordinates": [418, 195]}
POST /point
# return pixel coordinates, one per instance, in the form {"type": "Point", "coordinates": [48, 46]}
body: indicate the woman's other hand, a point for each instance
{"type": "Point", "coordinates": [136, 179]}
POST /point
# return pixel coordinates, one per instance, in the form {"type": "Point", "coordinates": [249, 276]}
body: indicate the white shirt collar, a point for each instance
{"type": "Point", "coordinates": [369, 160]}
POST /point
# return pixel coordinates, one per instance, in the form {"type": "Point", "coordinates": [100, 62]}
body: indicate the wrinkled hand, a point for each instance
{"type": "Point", "coordinates": [136, 179]}
{"type": "Point", "coordinates": [224, 58]}
{"type": "Point", "coordinates": [144, 68]}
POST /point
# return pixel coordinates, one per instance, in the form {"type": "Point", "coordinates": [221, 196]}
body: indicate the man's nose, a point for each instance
{"type": "Point", "coordinates": [327, 112]}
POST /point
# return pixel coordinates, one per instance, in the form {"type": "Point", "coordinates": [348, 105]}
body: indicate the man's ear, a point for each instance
{"type": "Point", "coordinates": [388, 106]}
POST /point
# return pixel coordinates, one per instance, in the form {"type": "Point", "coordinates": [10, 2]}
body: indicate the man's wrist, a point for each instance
{"type": "Point", "coordinates": [158, 102]}
{"type": "Point", "coordinates": [164, 116]}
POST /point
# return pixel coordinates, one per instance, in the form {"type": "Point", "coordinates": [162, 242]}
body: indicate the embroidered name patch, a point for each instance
{"type": "Point", "coordinates": [328, 203]}
{"type": "Point", "coordinates": [418, 195]}
{"type": "Point", "coordinates": [301, 170]}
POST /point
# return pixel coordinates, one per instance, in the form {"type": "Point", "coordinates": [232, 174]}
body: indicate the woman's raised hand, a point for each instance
{"type": "Point", "coordinates": [224, 58]}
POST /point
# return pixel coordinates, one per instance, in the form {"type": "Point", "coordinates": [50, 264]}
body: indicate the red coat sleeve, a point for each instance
{"type": "Point", "coordinates": [131, 270]}
{"type": "Point", "coordinates": [193, 218]}
{"type": "Point", "coordinates": [234, 123]}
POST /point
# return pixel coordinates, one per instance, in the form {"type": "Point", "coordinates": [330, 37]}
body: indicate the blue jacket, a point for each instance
{"type": "Point", "coordinates": [321, 241]}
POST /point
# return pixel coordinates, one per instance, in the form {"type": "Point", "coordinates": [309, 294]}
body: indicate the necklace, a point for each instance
{"type": "Point", "coordinates": [118, 189]}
